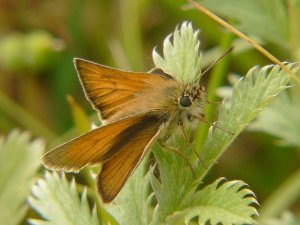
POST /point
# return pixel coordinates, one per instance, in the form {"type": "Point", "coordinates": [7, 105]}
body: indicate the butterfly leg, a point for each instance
{"type": "Point", "coordinates": [186, 138]}
{"type": "Point", "coordinates": [190, 118]}
{"type": "Point", "coordinates": [203, 119]}
{"type": "Point", "coordinates": [175, 150]}
{"type": "Point", "coordinates": [184, 133]}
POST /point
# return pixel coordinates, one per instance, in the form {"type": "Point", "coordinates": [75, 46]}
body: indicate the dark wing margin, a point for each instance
{"type": "Point", "coordinates": [132, 145]}
{"type": "Point", "coordinates": [110, 90]}
{"type": "Point", "coordinates": [97, 145]}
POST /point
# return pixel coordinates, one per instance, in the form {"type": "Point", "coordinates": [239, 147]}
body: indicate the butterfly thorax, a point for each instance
{"type": "Point", "coordinates": [187, 110]}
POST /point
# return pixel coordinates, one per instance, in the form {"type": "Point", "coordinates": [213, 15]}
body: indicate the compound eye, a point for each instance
{"type": "Point", "coordinates": [185, 101]}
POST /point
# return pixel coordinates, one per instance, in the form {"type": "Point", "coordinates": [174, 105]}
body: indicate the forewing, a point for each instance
{"type": "Point", "coordinates": [110, 90]}
{"type": "Point", "coordinates": [116, 170]}
{"type": "Point", "coordinates": [99, 144]}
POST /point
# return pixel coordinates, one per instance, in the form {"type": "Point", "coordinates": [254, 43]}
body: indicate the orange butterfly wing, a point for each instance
{"type": "Point", "coordinates": [120, 96]}
{"type": "Point", "coordinates": [116, 170]}
{"type": "Point", "coordinates": [110, 90]}
{"type": "Point", "coordinates": [102, 143]}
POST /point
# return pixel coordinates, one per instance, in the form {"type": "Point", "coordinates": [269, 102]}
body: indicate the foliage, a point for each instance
{"type": "Point", "coordinates": [249, 97]}
{"type": "Point", "coordinates": [281, 115]}
{"type": "Point", "coordinates": [19, 161]}
{"type": "Point", "coordinates": [181, 56]}
{"type": "Point", "coordinates": [226, 203]}
{"type": "Point", "coordinates": [133, 204]}
{"type": "Point", "coordinates": [249, 14]}
{"type": "Point", "coordinates": [58, 202]}
{"type": "Point", "coordinates": [35, 75]}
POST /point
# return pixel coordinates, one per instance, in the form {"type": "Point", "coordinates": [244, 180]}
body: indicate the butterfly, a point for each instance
{"type": "Point", "coordinates": [137, 109]}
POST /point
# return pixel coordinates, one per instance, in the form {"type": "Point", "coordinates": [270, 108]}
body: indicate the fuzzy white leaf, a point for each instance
{"type": "Point", "coordinates": [19, 161]}
{"type": "Point", "coordinates": [176, 180]}
{"type": "Point", "coordinates": [59, 204]}
{"type": "Point", "coordinates": [181, 57]}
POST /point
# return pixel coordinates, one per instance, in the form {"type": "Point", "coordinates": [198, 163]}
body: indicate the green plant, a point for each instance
{"type": "Point", "coordinates": [179, 195]}
{"type": "Point", "coordinates": [58, 202]}
{"type": "Point", "coordinates": [19, 161]}
{"type": "Point", "coordinates": [34, 83]}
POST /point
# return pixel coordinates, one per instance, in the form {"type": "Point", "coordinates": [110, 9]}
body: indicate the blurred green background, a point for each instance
{"type": "Point", "coordinates": [39, 39]}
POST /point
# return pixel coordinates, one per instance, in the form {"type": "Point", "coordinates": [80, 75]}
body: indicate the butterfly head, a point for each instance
{"type": "Point", "coordinates": [191, 101]}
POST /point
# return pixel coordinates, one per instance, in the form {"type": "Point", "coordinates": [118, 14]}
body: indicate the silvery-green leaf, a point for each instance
{"type": "Point", "coordinates": [181, 55]}
{"type": "Point", "coordinates": [58, 202]}
{"type": "Point", "coordinates": [19, 161]}
{"type": "Point", "coordinates": [250, 95]}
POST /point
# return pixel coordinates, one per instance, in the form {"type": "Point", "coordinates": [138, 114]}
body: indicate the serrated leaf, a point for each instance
{"type": "Point", "coordinates": [249, 97]}
{"type": "Point", "coordinates": [181, 56]}
{"type": "Point", "coordinates": [133, 204]}
{"type": "Point", "coordinates": [181, 59]}
{"type": "Point", "coordinates": [57, 201]}
{"type": "Point", "coordinates": [221, 202]}
{"type": "Point", "coordinates": [175, 181]}
{"type": "Point", "coordinates": [19, 161]}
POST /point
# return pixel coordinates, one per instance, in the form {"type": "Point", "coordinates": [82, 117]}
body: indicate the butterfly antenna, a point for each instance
{"type": "Point", "coordinates": [217, 60]}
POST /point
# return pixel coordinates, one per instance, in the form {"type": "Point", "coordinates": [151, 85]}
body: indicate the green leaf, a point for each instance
{"type": "Point", "coordinates": [175, 179]}
{"type": "Point", "coordinates": [221, 202]}
{"type": "Point", "coordinates": [249, 97]}
{"type": "Point", "coordinates": [133, 204]}
{"type": "Point", "coordinates": [181, 57]}
{"type": "Point", "coordinates": [179, 202]}
{"type": "Point", "coordinates": [19, 161]}
{"type": "Point", "coordinates": [58, 202]}
{"type": "Point", "coordinates": [281, 115]}
{"type": "Point", "coordinates": [175, 187]}
{"type": "Point", "coordinates": [267, 19]}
